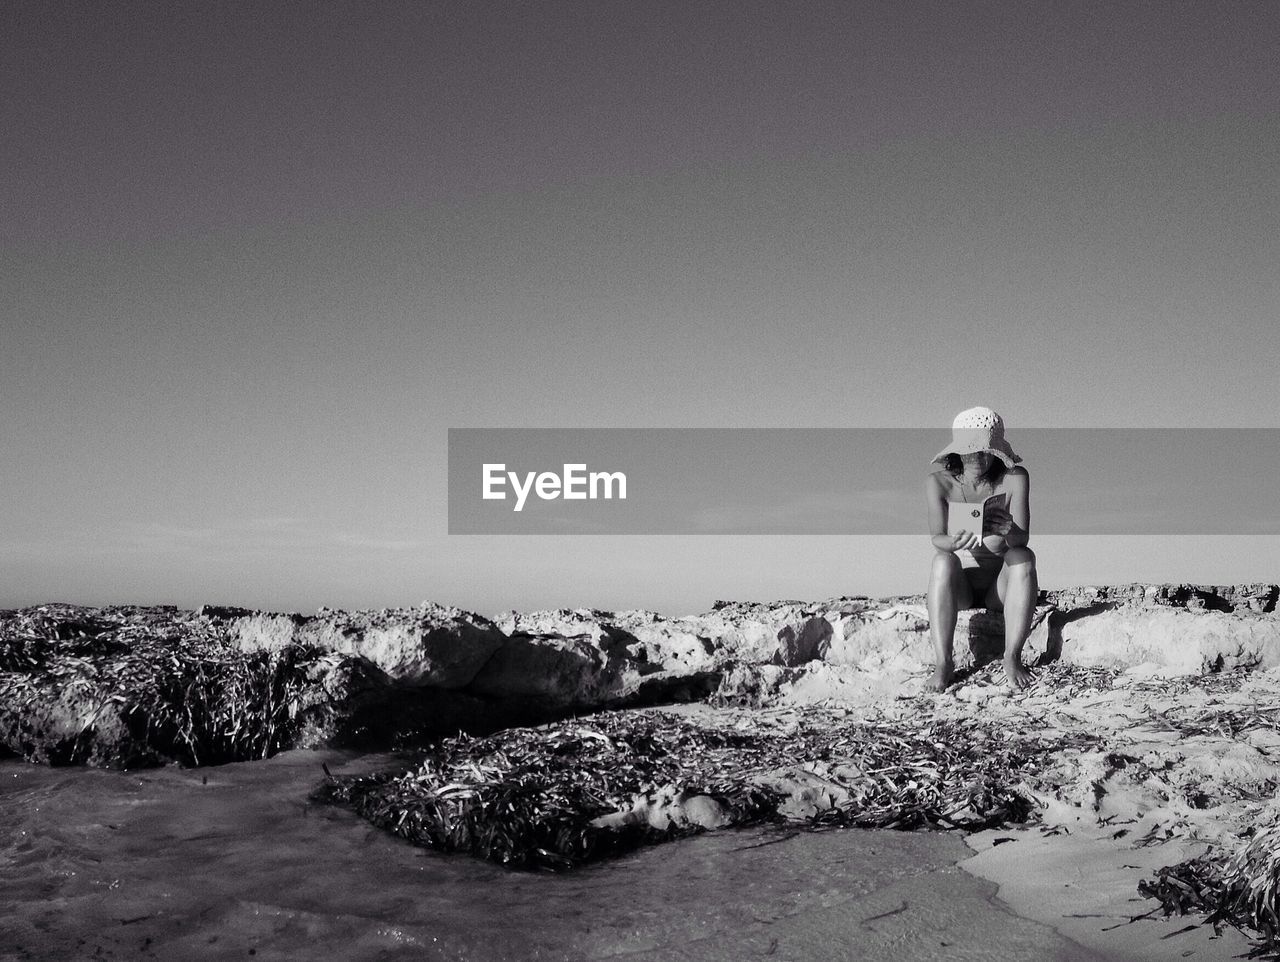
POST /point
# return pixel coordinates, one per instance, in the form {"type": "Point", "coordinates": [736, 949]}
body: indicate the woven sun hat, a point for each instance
{"type": "Point", "coordinates": [978, 429]}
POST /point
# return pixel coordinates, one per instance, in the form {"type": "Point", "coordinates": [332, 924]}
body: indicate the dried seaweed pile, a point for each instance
{"type": "Point", "coordinates": [131, 693]}
{"type": "Point", "coordinates": [1242, 890]}
{"type": "Point", "coordinates": [1068, 680]}
{"type": "Point", "coordinates": [1250, 886]}
{"type": "Point", "coordinates": [527, 797]}
{"type": "Point", "coordinates": [1193, 886]}
{"type": "Point", "coordinates": [1211, 683]}
{"type": "Point", "coordinates": [1232, 721]}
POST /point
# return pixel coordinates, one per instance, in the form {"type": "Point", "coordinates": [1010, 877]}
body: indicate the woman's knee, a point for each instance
{"type": "Point", "coordinates": [946, 567]}
{"type": "Point", "coordinates": [1021, 559]}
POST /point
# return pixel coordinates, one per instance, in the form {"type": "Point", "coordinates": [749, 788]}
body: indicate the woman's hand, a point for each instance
{"type": "Point", "coordinates": [964, 539]}
{"type": "Point", "coordinates": [1001, 521]}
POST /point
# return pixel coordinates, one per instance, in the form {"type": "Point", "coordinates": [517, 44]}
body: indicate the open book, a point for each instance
{"type": "Point", "coordinates": [971, 517]}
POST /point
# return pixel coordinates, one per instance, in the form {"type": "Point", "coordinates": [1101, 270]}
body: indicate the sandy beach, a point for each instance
{"type": "Point", "coordinates": [1085, 887]}
{"type": "Point", "coordinates": [717, 786]}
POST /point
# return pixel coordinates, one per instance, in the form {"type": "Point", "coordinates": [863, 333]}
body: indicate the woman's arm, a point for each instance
{"type": "Point", "coordinates": [936, 498]}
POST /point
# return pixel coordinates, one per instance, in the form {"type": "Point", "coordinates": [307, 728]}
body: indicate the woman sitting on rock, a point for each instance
{"type": "Point", "coordinates": [991, 568]}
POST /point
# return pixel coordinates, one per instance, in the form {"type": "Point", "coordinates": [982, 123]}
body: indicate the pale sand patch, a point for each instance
{"type": "Point", "coordinates": [1085, 886]}
{"type": "Point", "coordinates": [1182, 769]}
{"type": "Point", "coordinates": [1156, 767]}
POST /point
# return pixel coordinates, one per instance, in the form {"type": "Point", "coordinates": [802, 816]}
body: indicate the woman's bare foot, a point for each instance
{"type": "Point", "coordinates": [1017, 673]}
{"type": "Point", "coordinates": [944, 673]}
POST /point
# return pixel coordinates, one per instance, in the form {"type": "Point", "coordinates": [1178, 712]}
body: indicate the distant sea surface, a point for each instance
{"type": "Point", "coordinates": [233, 862]}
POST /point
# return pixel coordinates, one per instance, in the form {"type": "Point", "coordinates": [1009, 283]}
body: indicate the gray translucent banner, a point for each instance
{"type": "Point", "coordinates": [845, 481]}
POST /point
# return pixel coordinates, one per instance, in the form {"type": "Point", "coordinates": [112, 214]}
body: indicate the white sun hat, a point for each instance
{"type": "Point", "coordinates": [978, 429]}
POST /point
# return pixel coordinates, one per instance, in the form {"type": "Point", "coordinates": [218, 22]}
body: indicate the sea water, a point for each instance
{"type": "Point", "coordinates": [234, 862]}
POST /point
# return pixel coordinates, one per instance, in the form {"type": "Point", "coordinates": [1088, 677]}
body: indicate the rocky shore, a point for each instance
{"type": "Point", "coordinates": [128, 685]}
{"type": "Point", "coordinates": [1156, 710]}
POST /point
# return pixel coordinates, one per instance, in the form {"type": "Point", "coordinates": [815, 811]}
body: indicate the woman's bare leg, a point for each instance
{"type": "Point", "coordinates": [949, 591]}
{"type": "Point", "coordinates": [1016, 591]}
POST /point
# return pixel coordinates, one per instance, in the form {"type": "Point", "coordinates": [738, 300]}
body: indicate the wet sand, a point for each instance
{"type": "Point", "coordinates": [233, 862]}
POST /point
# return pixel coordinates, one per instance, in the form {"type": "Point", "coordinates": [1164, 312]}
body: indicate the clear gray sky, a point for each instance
{"type": "Point", "coordinates": [258, 257]}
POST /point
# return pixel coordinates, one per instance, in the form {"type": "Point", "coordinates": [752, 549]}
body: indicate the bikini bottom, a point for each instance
{"type": "Point", "coordinates": [982, 576]}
